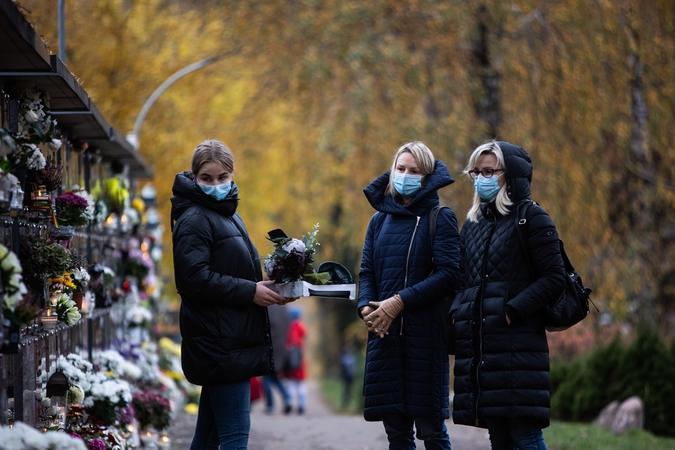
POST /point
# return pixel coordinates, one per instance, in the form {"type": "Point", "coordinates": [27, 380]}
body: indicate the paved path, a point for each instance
{"type": "Point", "coordinates": [320, 429]}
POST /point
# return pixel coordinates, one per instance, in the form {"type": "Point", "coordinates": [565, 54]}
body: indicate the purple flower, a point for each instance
{"type": "Point", "coordinates": [96, 444]}
{"type": "Point", "coordinates": [294, 264]}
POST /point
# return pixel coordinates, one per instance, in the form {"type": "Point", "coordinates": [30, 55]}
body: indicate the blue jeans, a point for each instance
{"type": "Point", "coordinates": [512, 434]}
{"type": "Point", "coordinates": [399, 428]}
{"type": "Point", "coordinates": [268, 382]}
{"type": "Point", "coordinates": [224, 416]}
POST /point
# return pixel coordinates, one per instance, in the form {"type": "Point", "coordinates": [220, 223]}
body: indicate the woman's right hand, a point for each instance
{"type": "Point", "coordinates": [265, 296]}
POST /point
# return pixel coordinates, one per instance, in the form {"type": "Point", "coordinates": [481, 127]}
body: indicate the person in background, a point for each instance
{"type": "Point", "coordinates": [347, 373]}
{"type": "Point", "coordinates": [502, 378]}
{"type": "Point", "coordinates": [403, 279]}
{"type": "Point", "coordinates": [296, 365]}
{"type": "Point", "coordinates": [223, 314]}
{"type": "Point", "coordinates": [279, 325]}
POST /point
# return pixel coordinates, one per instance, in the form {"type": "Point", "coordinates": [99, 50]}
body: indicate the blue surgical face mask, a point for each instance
{"type": "Point", "coordinates": [487, 188]}
{"type": "Point", "coordinates": [218, 191]}
{"type": "Point", "coordinates": [407, 185]}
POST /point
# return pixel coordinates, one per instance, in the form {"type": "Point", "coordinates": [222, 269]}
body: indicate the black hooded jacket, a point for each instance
{"type": "Point", "coordinates": [501, 370]}
{"type": "Point", "coordinates": [225, 335]}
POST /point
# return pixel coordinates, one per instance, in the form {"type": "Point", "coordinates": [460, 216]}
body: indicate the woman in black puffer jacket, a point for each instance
{"type": "Point", "coordinates": [402, 281]}
{"type": "Point", "coordinates": [223, 314]}
{"type": "Point", "coordinates": [501, 361]}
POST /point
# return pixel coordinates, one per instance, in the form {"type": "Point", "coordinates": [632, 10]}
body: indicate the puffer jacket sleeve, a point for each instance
{"type": "Point", "coordinates": [446, 255]}
{"type": "Point", "coordinates": [193, 240]}
{"type": "Point", "coordinates": [544, 250]}
{"type": "Point", "coordinates": [367, 281]}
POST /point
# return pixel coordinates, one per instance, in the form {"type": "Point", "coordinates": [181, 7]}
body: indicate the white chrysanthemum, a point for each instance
{"type": "Point", "coordinates": [10, 263]}
{"type": "Point", "coordinates": [138, 315]}
{"type": "Point", "coordinates": [81, 275]}
{"type": "Point", "coordinates": [294, 244]}
{"type": "Point", "coordinates": [58, 440]}
{"type": "Point", "coordinates": [269, 265]}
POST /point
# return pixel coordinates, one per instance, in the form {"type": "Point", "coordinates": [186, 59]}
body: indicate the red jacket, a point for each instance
{"type": "Point", "coordinates": [296, 336]}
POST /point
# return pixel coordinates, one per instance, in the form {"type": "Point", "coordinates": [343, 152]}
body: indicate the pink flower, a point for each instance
{"type": "Point", "coordinates": [96, 444]}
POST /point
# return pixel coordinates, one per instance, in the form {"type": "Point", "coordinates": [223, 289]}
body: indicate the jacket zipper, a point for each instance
{"type": "Point", "coordinates": [480, 320]}
{"type": "Point", "coordinates": [407, 265]}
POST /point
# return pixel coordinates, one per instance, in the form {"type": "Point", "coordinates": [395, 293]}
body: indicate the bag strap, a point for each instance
{"type": "Point", "coordinates": [433, 218]}
{"type": "Point", "coordinates": [521, 222]}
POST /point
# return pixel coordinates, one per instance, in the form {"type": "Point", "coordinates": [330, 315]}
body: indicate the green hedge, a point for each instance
{"type": "Point", "coordinates": [580, 388]}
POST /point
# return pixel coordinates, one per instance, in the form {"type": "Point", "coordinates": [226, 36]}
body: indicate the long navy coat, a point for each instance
{"type": "Point", "coordinates": [501, 370]}
{"type": "Point", "coordinates": [226, 336]}
{"type": "Point", "coordinates": [407, 371]}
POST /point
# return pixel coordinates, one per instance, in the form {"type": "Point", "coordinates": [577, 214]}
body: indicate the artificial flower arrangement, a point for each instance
{"type": "Point", "coordinates": [291, 266]}
{"type": "Point", "coordinates": [72, 210]}
{"type": "Point", "coordinates": [293, 259]}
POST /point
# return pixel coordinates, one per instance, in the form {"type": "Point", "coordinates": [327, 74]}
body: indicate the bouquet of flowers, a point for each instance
{"type": "Point", "coordinates": [72, 210]}
{"type": "Point", "coordinates": [12, 282]}
{"type": "Point", "coordinates": [137, 264]}
{"type": "Point", "coordinates": [138, 316]}
{"type": "Point", "coordinates": [153, 409]}
{"type": "Point", "coordinates": [293, 259]}
{"type": "Point", "coordinates": [80, 279]}
{"type": "Point", "coordinates": [106, 397]}
{"type": "Point", "coordinates": [67, 310]}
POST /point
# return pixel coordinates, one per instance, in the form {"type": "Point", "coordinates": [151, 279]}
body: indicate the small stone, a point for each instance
{"type": "Point", "coordinates": [607, 415]}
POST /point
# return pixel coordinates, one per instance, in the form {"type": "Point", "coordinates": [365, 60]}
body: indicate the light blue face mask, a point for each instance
{"type": "Point", "coordinates": [487, 188]}
{"type": "Point", "coordinates": [407, 185]}
{"type": "Point", "coordinates": [218, 191]}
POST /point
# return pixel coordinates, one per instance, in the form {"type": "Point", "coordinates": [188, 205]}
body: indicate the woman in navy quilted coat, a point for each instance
{"type": "Point", "coordinates": [402, 281]}
{"type": "Point", "coordinates": [501, 360]}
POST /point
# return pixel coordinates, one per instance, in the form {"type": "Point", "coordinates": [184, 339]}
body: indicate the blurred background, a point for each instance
{"type": "Point", "coordinates": [314, 97]}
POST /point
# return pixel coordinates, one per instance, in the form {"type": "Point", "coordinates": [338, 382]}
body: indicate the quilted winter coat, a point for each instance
{"type": "Point", "coordinates": [407, 371]}
{"type": "Point", "coordinates": [226, 336]}
{"type": "Point", "coordinates": [501, 370]}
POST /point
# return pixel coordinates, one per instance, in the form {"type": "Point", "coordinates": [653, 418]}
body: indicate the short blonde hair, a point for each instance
{"type": "Point", "coordinates": [212, 150]}
{"type": "Point", "coordinates": [423, 157]}
{"type": "Point", "coordinates": [502, 201]}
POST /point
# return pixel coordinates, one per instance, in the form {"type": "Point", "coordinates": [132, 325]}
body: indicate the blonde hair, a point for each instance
{"type": "Point", "coordinates": [502, 201]}
{"type": "Point", "coordinates": [423, 157]}
{"type": "Point", "coordinates": [212, 150]}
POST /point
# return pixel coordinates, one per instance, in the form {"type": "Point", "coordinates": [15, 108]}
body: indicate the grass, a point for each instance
{"type": "Point", "coordinates": [559, 436]}
{"type": "Point", "coordinates": [332, 390]}
{"type": "Point", "coordinates": [578, 436]}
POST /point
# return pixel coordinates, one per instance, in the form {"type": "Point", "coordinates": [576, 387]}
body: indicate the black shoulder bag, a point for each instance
{"type": "Point", "coordinates": [447, 328]}
{"type": "Point", "coordinates": [571, 307]}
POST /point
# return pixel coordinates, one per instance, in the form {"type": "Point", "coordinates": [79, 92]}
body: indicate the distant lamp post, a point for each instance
{"type": "Point", "coordinates": [133, 137]}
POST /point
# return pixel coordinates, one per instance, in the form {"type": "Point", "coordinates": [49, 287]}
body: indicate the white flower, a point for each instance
{"type": "Point", "coordinates": [138, 315]}
{"type": "Point", "coordinates": [294, 244]}
{"type": "Point", "coordinates": [55, 144]}
{"type": "Point", "coordinates": [81, 275]}
{"type": "Point", "coordinates": [46, 402]}
{"type": "Point", "coordinates": [31, 116]}
{"type": "Point", "coordinates": [73, 316]}
{"type": "Point", "coordinates": [75, 394]}
{"type": "Point", "coordinates": [9, 262]}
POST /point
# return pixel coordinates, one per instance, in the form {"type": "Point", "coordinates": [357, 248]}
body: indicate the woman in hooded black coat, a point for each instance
{"type": "Point", "coordinates": [223, 314]}
{"type": "Point", "coordinates": [501, 360]}
{"type": "Point", "coordinates": [402, 281]}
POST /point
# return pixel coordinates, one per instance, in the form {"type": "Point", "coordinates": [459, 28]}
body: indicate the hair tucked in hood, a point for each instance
{"type": "Point", "coordinates": [186, 193]}
{"type": "Point", "coordinates": [518, 171]}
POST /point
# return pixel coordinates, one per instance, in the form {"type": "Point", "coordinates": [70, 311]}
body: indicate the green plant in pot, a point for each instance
{"type": "Point", "coordinates": [42, 259]}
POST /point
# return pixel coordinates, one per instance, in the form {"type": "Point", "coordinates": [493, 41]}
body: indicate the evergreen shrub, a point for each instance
{"type": "Point", "coordinates": [581, 387]}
